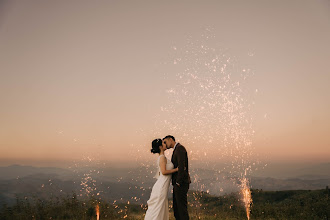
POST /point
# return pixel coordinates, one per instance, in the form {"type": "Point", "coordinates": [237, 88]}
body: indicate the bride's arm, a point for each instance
{"type": "Point", "coordinates": [162, 164]}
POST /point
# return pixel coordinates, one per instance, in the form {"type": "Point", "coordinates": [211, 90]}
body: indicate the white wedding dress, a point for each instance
{"type": "Point", "coordinates": [158, 201]}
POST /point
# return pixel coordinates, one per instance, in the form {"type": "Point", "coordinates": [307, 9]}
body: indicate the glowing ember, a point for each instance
{"type": "Point", "coordinates": [97, 212]}
{"type": "Point", "coordinates": [247, 198]}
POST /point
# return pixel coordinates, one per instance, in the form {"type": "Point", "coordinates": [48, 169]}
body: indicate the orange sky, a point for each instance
{"type": "Point", "coordinates": [79, 77]}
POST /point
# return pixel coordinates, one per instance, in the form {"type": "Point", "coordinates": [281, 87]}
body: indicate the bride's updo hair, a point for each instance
{"type": "Point", "coordinates": [155, 146]}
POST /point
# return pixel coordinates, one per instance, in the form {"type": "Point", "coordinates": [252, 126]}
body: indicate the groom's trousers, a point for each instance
{"type": "Point", "coordinates": [180, 207]}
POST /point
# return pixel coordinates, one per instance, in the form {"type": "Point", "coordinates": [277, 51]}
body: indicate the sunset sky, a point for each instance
{"type": "Point", "coordinates": [79, 77]}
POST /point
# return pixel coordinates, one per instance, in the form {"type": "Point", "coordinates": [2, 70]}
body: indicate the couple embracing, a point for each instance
{"type": "Point", "coordinates": [176, 170]}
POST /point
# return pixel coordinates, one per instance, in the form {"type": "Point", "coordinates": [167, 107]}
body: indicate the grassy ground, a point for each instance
{"type": "Point", "coordinates": [299, 204]}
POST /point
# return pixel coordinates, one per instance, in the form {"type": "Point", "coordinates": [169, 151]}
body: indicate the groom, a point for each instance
{"type": "Point", "coordinates": [180, 179]}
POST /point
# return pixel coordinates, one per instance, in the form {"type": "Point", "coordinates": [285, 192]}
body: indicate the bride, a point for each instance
{"type": "Point", "coordinates": [158, 201]}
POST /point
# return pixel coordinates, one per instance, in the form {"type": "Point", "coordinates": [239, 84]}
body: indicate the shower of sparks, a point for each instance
{"type": "Point", "coordinates": [88, 170]}
{"type": "Point", "coordinates": [210, 114]}
{"type": "Point", "coordinates": [88, 180]}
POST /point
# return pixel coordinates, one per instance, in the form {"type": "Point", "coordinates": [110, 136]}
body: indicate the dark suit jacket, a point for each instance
{"type": "Point", "coordinates": [180, 159]}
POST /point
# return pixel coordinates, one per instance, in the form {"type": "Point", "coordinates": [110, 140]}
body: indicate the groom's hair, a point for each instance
{"type": "Point", "coordinates": [169, 136]}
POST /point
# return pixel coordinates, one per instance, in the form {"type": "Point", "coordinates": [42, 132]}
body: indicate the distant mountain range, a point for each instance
{"type": "Point", "coordinates": [18, 171]}
{"type": "Point", "coordinates": [292, 170]}
{"type": "Point", "coordinates": [135, 184]}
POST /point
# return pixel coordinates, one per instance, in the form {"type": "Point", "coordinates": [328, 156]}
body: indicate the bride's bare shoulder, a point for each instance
{"type": "Point", "coordinates": [162, 158]}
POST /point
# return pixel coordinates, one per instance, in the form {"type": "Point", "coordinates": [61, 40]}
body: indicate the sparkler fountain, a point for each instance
{"type": "Point", "coordinates": [97, 212]}
{"type": "Point", "coordinates": [247, 198]}
{"type": "Point", "coordinates": [87, 170]}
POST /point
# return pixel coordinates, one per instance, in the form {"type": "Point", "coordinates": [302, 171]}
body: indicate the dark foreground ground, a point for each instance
{"type": "Point", "coordinates": [297, 204]}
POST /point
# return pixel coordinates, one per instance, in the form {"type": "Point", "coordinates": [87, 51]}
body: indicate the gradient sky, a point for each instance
{"type": "Point", "coordinates": [86, 76]}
